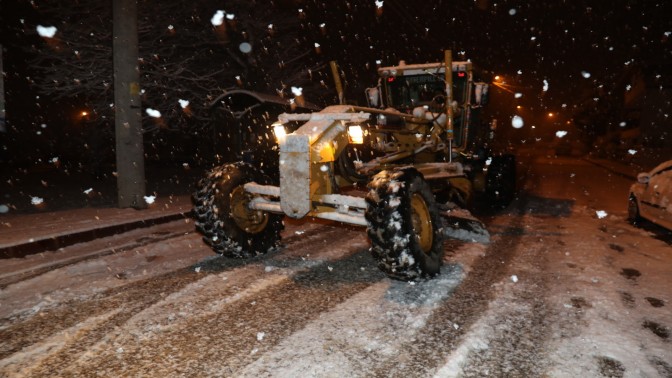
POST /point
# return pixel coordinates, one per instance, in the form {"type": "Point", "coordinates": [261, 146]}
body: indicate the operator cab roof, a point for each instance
{"type": "Point", "coordinates": [404, 69]}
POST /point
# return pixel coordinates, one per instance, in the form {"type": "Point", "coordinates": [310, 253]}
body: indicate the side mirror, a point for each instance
{"type": "Point", "coordinates": [643, 178]}
{"type": "Point", "coordinates": [481, 94]}
{"type": "Point", "coordinates": [373, 97]}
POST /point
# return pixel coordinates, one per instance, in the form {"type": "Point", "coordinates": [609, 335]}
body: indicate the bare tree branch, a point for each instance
{"type": "Point", "coordinates": [182, 56]}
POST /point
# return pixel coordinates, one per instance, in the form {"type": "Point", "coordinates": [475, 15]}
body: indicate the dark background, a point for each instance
{"type": "Point", "coordinates": [607, 67]}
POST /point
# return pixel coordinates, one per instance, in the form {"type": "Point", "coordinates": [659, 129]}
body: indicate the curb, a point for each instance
{"type": "Point", "coordinates": [61, 241]}
{"type": "Point", "coordinates": [612, 169]}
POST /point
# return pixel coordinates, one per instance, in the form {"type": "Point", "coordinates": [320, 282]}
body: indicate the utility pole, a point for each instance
{"type": "Point", "coordinates": [3, 120]}
{"type": "Point", "coordinates": [127, 113]}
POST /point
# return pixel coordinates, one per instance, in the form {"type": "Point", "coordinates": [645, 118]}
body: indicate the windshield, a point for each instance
{"type": "Point", "coordinates": [406, 92]}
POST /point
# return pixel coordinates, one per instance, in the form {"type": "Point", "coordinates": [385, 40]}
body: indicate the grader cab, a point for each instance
{"type": "Point", "coordinates": [408, 156]}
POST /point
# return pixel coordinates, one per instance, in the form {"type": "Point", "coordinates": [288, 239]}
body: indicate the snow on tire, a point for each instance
{"type": "Point", "coordinates": [404, 225]}
{"type": "Point", "coordinates": [222, 215]}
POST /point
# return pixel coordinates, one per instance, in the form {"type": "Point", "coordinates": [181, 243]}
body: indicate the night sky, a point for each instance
{"type": "Point", "coordinates": [576, 46]}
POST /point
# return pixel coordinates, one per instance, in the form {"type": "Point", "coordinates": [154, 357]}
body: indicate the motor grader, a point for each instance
{"type": "Point", "coordinates": [409, 147]}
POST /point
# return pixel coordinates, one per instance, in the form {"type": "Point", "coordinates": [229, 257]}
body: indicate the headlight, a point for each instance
{"type": "Point", "coordinates": [280, 132]}
{"type": "Point", "coordinates": [356, 134]}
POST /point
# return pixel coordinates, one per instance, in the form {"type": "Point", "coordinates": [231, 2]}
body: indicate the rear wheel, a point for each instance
{"type": "Point", "coordinates": [223, 216]}
{"type": "Point", "coordinates": [404, 225]}
{"type": "Point", "coordinates": [633, 210]}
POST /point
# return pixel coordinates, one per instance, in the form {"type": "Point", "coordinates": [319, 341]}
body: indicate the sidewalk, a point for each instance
{"type": "Point", "coordinates": [622, 169]}
{"type": "Point", "coordinates": [24, 234]}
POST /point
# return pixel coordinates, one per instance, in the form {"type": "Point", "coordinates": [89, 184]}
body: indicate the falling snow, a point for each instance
{"type": "Point", "coordinates": [46, 31]}
{"type": "Point", "coordinates": [153, 113]}
{"type": "Point", "coordinates": [218, 18]}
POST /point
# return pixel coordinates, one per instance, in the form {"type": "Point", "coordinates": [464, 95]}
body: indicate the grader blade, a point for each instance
{"type": "Point", "coordinates": [461, 225]}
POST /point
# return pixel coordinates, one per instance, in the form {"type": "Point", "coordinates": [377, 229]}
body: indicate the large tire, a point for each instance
{"type": "Point", "coordinates": [500, 181]}
{"type": "Point", "coordinates": [404, 225]}
{"type": "Point", "coordinates": [222, 215]}
{"type": "Point", "coordinates": [633, 211]}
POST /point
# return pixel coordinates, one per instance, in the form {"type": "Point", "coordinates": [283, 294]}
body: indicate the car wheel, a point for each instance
{"type": "Point", "coordinates": [633, 210]}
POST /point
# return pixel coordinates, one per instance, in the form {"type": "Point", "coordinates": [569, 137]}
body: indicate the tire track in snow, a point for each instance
{"type": "Point", "coordinates": [350, 339]}
{"type": "Point", "coordinates": [132, 298]}
{"type": "Point", "coordinates": [304, 238]}
{"type": "Point", "coordinates": [447, 326]}
{"type": "Point", "coordinates": [291, 296]}
{"type": "Point", "coordinates": [218, 342]}
{"type": "Point", "coordinates": [509, 339]}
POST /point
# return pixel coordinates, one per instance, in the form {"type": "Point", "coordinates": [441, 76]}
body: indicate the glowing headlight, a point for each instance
{"type": "Point", "coordinates": [280, 132]}
{"type": "Point", "coordinates": [355, 134]}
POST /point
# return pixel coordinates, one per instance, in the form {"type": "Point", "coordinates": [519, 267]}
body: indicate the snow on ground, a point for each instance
{"type": "Point", "coordinates": [133, 261]}
{"type": "Point", "coordinates": [596, 288]}
{"type": "Point", "coordinates": [371, 326]}
{"type": "Point", "coordinates": [606, 311]}
{"type": "Point", "coordinates": [617, 284]}
{"type": "Point", "coordinates": [582, 296]}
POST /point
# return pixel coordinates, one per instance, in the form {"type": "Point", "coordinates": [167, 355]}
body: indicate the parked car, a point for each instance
{"type": "Point", "coordinates": [651, 197]}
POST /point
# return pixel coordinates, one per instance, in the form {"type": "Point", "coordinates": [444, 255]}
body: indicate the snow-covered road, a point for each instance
{"type": "Point", "coordinates": [558, 292]}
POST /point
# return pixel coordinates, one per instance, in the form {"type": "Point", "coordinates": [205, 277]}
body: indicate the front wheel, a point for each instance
{"type": "Point", "coordinates": [404, 225]}
{"type": "Point", "coordinates": [223, 216]}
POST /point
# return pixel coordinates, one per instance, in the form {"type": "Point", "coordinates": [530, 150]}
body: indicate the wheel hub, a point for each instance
{"type": "Point", "coordinates": [422, 222]}
{"type": "Point", "coordinates": [252, 221]}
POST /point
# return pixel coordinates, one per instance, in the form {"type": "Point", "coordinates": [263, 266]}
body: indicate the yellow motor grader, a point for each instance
{"type": "Point", "coordinates": [409, 147]}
